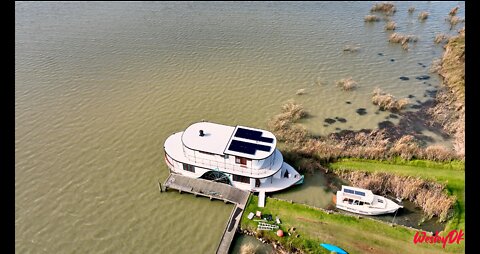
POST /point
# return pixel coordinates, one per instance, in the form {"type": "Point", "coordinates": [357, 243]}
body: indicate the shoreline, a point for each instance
{"type": "Point", "coordinates": [446, 113]}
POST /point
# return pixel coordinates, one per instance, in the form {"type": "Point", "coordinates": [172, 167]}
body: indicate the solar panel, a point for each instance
{"type": "Point", "coordinates": [248, 148]}
{"type": "Point", "coordinates": [349, 191]}
{"type": "Point", "coordinates": [361, 193]}
{"type": "Point", "coordinates": [252, 135]}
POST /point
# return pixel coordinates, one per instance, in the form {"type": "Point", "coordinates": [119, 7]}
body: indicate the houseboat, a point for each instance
{"type": "Point", "coordinates": [244, 157]}
{"type": "Point", "coordinates": [362, 201]}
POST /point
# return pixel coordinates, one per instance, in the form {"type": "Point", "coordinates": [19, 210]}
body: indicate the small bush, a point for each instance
{"type": "Point", "coordinates": [423, 15]}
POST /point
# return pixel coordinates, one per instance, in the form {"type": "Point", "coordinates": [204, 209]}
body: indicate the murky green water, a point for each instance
{"type": "Point", "coordinates": [99, 87]}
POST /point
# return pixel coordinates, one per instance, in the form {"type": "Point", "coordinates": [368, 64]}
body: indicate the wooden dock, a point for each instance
{"type": "Point", "coordinates": [214, 190]}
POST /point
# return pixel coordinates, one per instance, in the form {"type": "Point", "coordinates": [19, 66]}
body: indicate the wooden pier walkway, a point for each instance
{"type": "Point", "coordinates": [214, 190]}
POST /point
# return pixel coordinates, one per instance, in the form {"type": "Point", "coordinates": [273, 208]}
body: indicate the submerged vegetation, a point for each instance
{"type": "Point", "coordinates": [453, 11]}
{"type": "Point", "coordinates": [387, 101]}
{"type": "Point", "coordinates": [371, 18]}
{"type": "Point", "coordinates": [385, 7]}
{"type": "Point", "coordinates": [248, 249]}
{"type": "Point", "coordinates": [439, 38]}
{"type": "Point", "coordinates": [391, 25]}
{"type": "Point", "coordinates": [347, 84]}
{"type": "Point", "coordinates": [300, 91]}
{"type": "Point", "coordinates": [423, 15]}
{"type": "Point", "coordinates": [454, 20]}
{"type": "Point", "coordinates": [351, 48]}
{"type": "Point", "coordinates": [403, 39]}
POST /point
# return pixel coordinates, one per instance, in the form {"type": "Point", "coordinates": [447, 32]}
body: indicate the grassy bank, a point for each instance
{"type": "Point", "coordinates": [450, 173]}
{"type": "Point", "coordinates": [314, 226]}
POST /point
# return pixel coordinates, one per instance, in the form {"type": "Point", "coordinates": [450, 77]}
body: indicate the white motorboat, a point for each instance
{"type": "Point", "coordinates": [363, 201]}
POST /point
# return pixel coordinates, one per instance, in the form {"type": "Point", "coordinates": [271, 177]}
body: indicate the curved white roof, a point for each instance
{"type": "Point", "coordinates": [222, 139]}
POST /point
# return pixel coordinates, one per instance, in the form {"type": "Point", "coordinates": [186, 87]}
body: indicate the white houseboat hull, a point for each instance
{"type": "Point", "coordinates": [260, 171]}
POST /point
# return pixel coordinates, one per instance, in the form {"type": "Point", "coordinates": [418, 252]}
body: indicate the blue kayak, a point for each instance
{"type": "Point", "coordinates": [333, 248]}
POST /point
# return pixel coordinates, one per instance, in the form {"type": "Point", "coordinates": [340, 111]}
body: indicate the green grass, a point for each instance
{"type": "Point", "coordinates": [451, 173]}
{"type": "Point", "coordinates": [354, 235]}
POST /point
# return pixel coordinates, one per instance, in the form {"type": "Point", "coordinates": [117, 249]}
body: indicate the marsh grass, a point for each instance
{"type": "Point", "coordinates": [391, 25]}
{"type": "Point", "coordinates": [439, 38]}
{"type": "Point", "coordinates": [371, 18]}
{"type": "Point", "coordinates": [449, 112]}
{"type": "Point", "coordinates": [453, 11]}
{"type": "Point", "coordinates": [347, 84]}
{"type": "Point", "coordinates": [403, 39]}
{"type": "Point", "coordinates": [385, 7]}
{"type": "Point", "coordinates": [436, 65]}
{"type": "Point", "coordinates": [423, 15]}
{"type": "Point", "coordinates": [454, 20]}
{"type": "Point", "coordinates": [387, 101]}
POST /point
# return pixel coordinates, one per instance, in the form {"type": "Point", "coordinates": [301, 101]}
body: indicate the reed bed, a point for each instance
{"type": "Point", "coordinates": [449, 111]}
{"type": "Point", "coordinates": [430, 196]}
{"type": "Point", "coordinates": [385, 7]}
{"type": "Point", "coordinates": [366, 144]}
{"type": "Point", "coordinates": [423, 15]}
{"type": "Point", "coordinates": [371, 18]}
{"type": "Point", "coordinates": [391, 25]}
{"type": "Point", "coordinates": [347, 84]}
{"type": "Point", "coordinates": [387, 101]}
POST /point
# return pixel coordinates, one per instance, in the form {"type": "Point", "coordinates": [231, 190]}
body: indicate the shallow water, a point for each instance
{"type": "Point", "coordinates": [99, 87]}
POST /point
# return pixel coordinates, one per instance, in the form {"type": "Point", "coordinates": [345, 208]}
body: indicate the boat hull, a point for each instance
{"type": "Point", "coordinates": [389, 206]}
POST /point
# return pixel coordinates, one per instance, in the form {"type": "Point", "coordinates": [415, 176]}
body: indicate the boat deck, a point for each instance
{"type": "Point", "coordinates": [214, 190]}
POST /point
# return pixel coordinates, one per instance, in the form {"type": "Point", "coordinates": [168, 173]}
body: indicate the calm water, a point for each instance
{"type": "Point", "coordinates": [100, 86]}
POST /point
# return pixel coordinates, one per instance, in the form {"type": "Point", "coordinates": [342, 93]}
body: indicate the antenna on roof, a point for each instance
{"type": "Point", "coordinates": [201, 133]}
